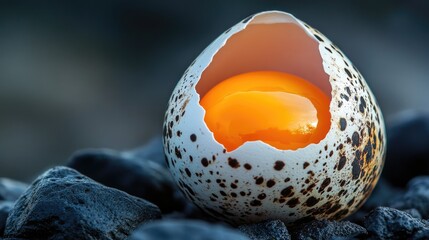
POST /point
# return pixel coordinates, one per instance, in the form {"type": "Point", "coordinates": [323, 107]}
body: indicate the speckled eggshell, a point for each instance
{"type": "Point", "coordinates": [256, 182]}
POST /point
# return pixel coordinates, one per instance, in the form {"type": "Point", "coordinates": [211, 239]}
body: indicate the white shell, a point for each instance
{"type": "Point", "coordinates": [328, 180]}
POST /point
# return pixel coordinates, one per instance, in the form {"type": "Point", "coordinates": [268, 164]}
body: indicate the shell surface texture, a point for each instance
{"type": "Point", "coordinates": [256, 180]}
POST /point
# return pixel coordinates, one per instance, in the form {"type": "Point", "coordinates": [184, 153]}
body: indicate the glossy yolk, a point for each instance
{"type": "Point", "coordinates": [282, 110]}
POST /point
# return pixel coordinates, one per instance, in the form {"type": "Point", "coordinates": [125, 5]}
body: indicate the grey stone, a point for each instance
{"type": "Point", "coordinates": [325, 229]}
{"type": "Point", "coordinates": [389, 223]}
{"type": "Point", "coordinates": [64, 204]}
{"type": "Point", "coordinates": [139, 177]}
{"type": "Point", "coordinates": [413, 212]}
{"type": "Point", "coordinates": [271, 230]}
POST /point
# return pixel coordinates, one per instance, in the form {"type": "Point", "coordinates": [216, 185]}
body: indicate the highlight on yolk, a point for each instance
{"type": "Point", "coordinates": [280, 109]}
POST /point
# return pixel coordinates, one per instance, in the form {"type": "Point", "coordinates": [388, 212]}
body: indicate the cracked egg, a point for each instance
{"type": "Point", "coordinates": [273, 121]}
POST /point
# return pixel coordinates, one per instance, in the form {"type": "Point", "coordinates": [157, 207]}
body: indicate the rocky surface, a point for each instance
{"type": "Point", "coordinates": [271, 230]}
{"type": "Point", "coordinates": [390, 223]}
{"type": "Point", "coordinates": [139, 172]}
{"type": "Point", "coordinates": [185, 230]}
{"type": "Point", "coordinates": [328, 230]}
{"type": "Point", "coordinates": [132, 174]}
{"type": "Point", "coordinates": [266, 230]}
{"type": "Point", "coordinates": [64, 204]}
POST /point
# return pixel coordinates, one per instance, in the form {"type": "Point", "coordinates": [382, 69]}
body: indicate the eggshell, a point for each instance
{"type": "Point", "coordinates": [256, 182]}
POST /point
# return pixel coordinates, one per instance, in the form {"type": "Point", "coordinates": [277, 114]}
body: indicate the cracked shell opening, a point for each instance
{"type": "Point", "coordinates": [288, 113]}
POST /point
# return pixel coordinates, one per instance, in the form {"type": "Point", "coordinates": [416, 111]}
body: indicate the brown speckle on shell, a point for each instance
{"type": "Point", "coordinates": [247, 166]}
{"type": "Point", "coordinates": [341, 163]}
{"type": "Point", "coordinates": [293, 202]}
{"type": "Point", "coordinates": [204, 162]}
{"type": "Point", "coordinates": [178, 153]}
{"type": "Point", "coordinates": [311, 201]}
{"type": "Point", "coordinates": [188, 172]}
{"type": "Point", "coordinates": [305, 165]}
{"type": "Point", "coordinates": [262, 196]}
{"type": "Point", "coordinates": [233, 163]}
{"type": "Point", "coordinates": [278, 165]}
{"type": "Point", "coordinates": [255, 203]}
{"type": "Point", "coordinates": [343, 124]}
{"type": "Point", "coordinates": [324, 184]}
{"type": "Point", "coordinates": [271, 183]}
{"type": "Point", "coordinates": [259, 180]}
{"type": "Point", "coordinates": [287, 192]}
{"type": "Point", "coordinates": [355, 139]}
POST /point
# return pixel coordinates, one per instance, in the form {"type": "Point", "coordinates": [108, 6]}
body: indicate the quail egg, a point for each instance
{"type": "Point", "coordinates": [273, 121]}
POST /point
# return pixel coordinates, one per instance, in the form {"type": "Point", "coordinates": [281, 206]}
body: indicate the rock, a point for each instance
{"type": "Point", "coordinates": [271, 230]}
{"type": "Point", "coordinates": [325, 229]}
{"type": "Point", "coordinates": [407, 144]}
{"type": "Point", "coordinates": [416, 196]}
{"type": "Point", "coordinates": [10, 190]}
{"type": "Point", "coordinates": [63, 204]}
{"type": "Point", "coordinates": [153, 151]}
{"type": "Point", "coordinates": [185, 230]}
{"type": "Point", "coordinates": [413, 212]}
{"type": "Point", "coordinates": [139, 177]}
{"type": "Point", "coordinates": [389, 223]}
{"type": "Point", "coordinates": [421, 235]}
{"type": "Point", "coordinates": [5, 208]}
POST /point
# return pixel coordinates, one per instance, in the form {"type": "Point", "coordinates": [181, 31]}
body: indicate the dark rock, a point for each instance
{"type": "Point", "coordinates": [271, 230]}
{"type": "Point", "coordinates": [139, 177]}
{"type": "Point", "coordinates": [416, 196]}
{"type": "Point", "coordinates": [389, 223]}
{"type": "Point", "coordinates": [328, 230]}
{"type": "Point", "coordinates": [185, 230]}
{"type": "Point", "coordinates": [413, 212]}
{"type": "Point", "coordinates": [421, 235]}
{"type": "Point", "coordinates": [153, 151]}
{"type": "Point", "coordinates": [63, 204]}
{"type": "Point", "coordinates": [5, 208]}
{"type": "Point", "coordinates": [10, 190]}
{"type": "Point", "coordinates": [408, 147]}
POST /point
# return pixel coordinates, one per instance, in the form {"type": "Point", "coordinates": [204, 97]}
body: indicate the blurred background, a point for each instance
{"type": "Point", "coordinates": [92, 74]}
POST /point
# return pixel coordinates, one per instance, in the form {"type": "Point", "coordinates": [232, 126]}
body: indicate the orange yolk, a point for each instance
{"type": "Point", "coordinates": [282, 110]}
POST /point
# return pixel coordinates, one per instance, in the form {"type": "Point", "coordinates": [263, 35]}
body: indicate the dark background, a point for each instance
{"type": "Point", "coordinates": [82, 74]}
